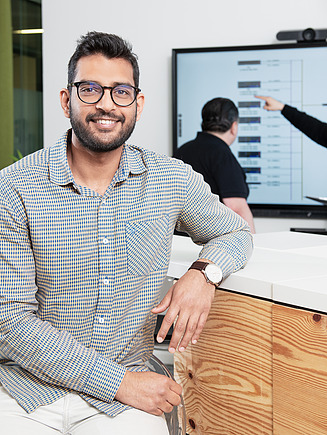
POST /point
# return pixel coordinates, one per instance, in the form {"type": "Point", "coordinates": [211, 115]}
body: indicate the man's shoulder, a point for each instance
{"type": "Point", "coordinates": [37, 163]}
{"type": "Point", "coordinates": [203, 140]}
{"type": "Point", "coordinates": [31, 163]}
{"type": "Point", "coordinates": [205, 147]}
{"type": "Point", "coordinates": [155, 159]}
{"type": "Point", "coordinates": [216, 142]}
{"type": "Point", "coordinates": [23, 176]}
{"type": "Point", "coordinates": [190, 144]}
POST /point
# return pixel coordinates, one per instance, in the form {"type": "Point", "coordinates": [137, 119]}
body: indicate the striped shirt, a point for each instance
{"type": "Point", "coordinates": [80, 272]}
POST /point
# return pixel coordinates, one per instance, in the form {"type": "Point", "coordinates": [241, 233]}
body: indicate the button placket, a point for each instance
{"type": "Point", "coordinates": [102, 322]}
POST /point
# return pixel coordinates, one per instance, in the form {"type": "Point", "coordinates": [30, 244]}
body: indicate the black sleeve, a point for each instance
{"type": "Point", "coordinates": [311, 127]}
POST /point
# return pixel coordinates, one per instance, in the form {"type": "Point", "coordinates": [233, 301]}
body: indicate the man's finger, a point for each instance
{"type": "Point", "coordinates": [166, 324]}
{"type": "Point", "coordinates": [190, 330]}
{"type": "Point", "coordinates": [164, 304]}
{"type": "Point", "coordinates": [201, 323]}
{"type": "Point", "coordinates": [179, 331]}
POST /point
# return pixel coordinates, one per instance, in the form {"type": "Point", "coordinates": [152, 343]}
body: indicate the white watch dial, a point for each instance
{"type": "Point", "coordinates": [214, 273]}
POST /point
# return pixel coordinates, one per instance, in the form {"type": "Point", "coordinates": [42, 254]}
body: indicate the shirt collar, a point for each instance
{"type": "Point", "coordinates": [59, 170]}
{"type": "Point", "coordinates": [131, 162]}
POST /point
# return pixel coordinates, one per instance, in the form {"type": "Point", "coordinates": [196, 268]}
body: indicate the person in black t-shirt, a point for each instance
{"type": "Point", "coordinates": [210, 155]}
{"type": "Point", "coordinates": [311, 127]}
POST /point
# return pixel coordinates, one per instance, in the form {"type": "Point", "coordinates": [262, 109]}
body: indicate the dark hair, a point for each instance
{"type": "Point", "coordinates": [109, 45]}
{"type": "Point", "coordinates": [218, 115]}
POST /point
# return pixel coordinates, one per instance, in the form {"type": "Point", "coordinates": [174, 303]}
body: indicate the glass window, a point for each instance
{"type": "Point", "coordinates": [27, 76]}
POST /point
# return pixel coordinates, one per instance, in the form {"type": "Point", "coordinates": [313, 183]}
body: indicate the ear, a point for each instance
{"type": "Point", "coordinates": [234, 128]}
{"type": "Point", "coordinates": [139, 105]}
{"type": "Point", "coordinates": [64, 101]}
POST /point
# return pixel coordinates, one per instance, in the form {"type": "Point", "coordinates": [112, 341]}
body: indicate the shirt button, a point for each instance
{"type": "Point", "coordinates": [101, 320]}
{"type": "Point", "coordinates": [105, 241]}
{"type": "Point", "coordinates": [105, 281]}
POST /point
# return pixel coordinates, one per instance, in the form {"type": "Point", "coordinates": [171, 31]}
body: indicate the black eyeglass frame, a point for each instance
{"type": "Point", "coordinates": [77, 85]}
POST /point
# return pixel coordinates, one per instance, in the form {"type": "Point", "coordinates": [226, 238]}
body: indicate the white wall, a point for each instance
{"type": "Point", "coordinates": [154, 28]}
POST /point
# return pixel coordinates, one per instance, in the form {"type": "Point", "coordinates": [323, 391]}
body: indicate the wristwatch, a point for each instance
{"type": "Point", "coordinates": [211, 272]}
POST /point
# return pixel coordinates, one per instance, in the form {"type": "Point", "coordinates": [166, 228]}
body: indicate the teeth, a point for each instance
{"type": "Point", "coordinates": [105, 121]}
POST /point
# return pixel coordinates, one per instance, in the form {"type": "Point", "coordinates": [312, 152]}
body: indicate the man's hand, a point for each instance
{"type": "Point", "coordinates": [189, 301]}
{"type": "Point", "coordinates": [150, 392]}
{"type": "Point", "coordinates": [271, 103]}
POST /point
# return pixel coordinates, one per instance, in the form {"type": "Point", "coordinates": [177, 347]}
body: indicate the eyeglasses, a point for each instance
{"type": "Point", "coordinates": [92, 92]}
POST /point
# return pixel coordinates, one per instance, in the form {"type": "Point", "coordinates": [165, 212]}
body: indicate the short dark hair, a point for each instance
{"type": "Point", "coordinates": [218, 115]}
{"type": "Point", "coordinates": [109, 45]}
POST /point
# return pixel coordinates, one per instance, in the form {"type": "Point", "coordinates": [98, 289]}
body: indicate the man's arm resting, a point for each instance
{"type": "Point", "coordinates": [227, 242]}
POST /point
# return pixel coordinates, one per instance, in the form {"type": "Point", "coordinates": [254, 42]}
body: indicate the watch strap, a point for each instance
{"type": "Point", "coordinates": [199, 265]}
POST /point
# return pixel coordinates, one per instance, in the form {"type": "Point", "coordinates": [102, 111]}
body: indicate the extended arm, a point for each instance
{"type": "Point", "coordinates": [271, 103]}
{"type": "Point", "coordinates": [312, 127]}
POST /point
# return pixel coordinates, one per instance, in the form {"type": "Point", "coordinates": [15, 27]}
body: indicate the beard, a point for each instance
{"type": "Point", "coordinates": [91, 141]}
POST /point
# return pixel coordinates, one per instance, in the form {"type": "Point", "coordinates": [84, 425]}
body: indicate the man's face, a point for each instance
{"type": "Point", "coordinates": [103, 126]}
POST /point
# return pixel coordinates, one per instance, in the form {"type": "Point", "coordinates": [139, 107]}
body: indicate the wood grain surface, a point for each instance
{"type": "Point", "coordinates": [299, 372]}
{"type": "Point", "coordinates": [227, 375]}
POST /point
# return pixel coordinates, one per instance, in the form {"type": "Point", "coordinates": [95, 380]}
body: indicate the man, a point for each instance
{"type": "Point", "coordinates": [311, 127]}
{"type": "Point", "coordinates": [210, 155]}
{"type": "Point", "coordinates": [86, 229]}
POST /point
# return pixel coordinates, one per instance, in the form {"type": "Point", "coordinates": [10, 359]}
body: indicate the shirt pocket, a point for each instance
{"type": "Point", "coordinates": [147, 245]}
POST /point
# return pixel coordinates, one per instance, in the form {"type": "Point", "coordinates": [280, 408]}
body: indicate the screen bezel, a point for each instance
{"type": "Point", "coordinates": [318, 211]}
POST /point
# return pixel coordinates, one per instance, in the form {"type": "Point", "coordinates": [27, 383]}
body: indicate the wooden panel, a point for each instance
{"type": "Point", "coordinates": [300, 372]}
{"type": "Point", "coordinates": [226, 376]}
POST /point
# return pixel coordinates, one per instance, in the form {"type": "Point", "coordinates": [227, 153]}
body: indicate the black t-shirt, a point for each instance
{"type": "Point", "coordinates": [213, 158]}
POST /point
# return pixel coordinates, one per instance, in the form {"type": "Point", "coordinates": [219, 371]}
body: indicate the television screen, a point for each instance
{"type": "Point", "coordinates": [283, 167]}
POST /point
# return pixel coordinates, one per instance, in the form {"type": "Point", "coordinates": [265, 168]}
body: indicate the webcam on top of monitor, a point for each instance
{"type": "Point", "coordinates": [307, 35]}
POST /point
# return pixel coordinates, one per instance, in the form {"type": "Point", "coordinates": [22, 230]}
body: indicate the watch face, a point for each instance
{"type": "Point", "coordinates": [214, 273]}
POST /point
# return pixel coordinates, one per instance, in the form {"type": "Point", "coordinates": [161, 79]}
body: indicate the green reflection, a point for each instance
{"type": "Point", "coordinates": [6, 85]}
{"type": "Point", "coordinates": [27, 77]}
